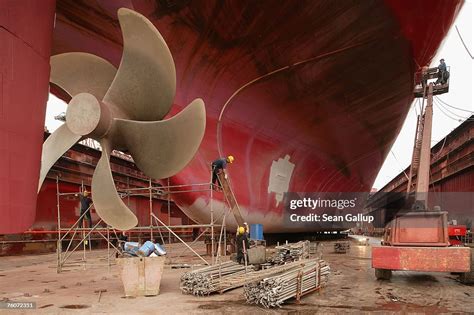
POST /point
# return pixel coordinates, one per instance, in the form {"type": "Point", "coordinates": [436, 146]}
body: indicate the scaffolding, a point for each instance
{"type": "Point", "coordinates": [109, 234]}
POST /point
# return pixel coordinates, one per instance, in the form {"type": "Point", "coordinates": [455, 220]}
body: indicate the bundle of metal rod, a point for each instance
{"type": "Point", "coordinates": [206, 280]}
{"type": "Point", "coordinates": [342, 247]}
{"type": "Point", "coordinates": [239, 280]}
{"type": "Point", "coordinates": [290, 252]}
{"type": "Point", "coordinates": [294, 283]}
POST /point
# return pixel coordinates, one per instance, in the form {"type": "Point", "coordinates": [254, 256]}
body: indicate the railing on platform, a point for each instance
{"type": "Point", "coordinates": [426, 76]}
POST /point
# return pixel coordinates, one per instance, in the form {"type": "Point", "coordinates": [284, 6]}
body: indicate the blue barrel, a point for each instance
{"type": "Point", "coordinates": [256, 232]}
{"type": "Point", "coordinates": [159, 250]}
{"type": "Point", "coordinates": [146, 249]}
{"type": "Point", "coordinates": [131, 248]}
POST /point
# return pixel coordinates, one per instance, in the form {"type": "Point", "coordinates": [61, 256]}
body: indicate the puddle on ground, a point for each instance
{"type": "Point", "coordinates": [45, 306]}
{"type": "Point", "coordinates": [75, 306]}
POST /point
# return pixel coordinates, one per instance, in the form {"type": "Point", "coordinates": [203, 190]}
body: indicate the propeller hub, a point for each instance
{"type": "Point", "coordinates": [86, 115]}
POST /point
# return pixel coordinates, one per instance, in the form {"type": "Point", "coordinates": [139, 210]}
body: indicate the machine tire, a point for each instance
{"type": "Point", "coordinates": [468, 277]}
{"type": "Point", "coordinates": [383, 274]}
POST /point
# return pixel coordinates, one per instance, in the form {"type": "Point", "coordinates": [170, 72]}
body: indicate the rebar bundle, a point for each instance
{"type": "Point", "coordinates": [227, 276]}
{"type": "Point", "coordinates": [291, 252]}
{"type": "Point", "coordinates": [206, 280]}
{"type": "Point", "coordinates": [304, 277]}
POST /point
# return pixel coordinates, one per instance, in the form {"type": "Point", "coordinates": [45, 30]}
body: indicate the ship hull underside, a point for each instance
{"type": "Point", "coordinates": [315, 92]}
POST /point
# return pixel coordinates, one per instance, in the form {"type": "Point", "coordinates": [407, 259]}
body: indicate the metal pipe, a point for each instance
{"type": "Point", "coordinates": [58, 245]}
{"type": "Point", "coordinates": [82, 241]}
{"type": "Point", "coordinates": [157, 219]}
{"type": "Point", "coordinates": [212, 227]}
{"type": "Point", "coordinates": [151, 209]}
{"type": "Point", "coordinates": [169, 211]}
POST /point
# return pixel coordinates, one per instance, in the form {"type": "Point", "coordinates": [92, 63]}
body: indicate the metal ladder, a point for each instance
{"type": "Point", "coordinates": [230, 197]}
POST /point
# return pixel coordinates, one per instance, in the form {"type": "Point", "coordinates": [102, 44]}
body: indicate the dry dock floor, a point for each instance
{"type": "Point", "coordinates": [352, 288]}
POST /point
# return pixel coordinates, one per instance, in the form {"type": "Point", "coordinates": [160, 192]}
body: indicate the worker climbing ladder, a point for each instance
{"type": "Point", "coordinates": [230, 197]}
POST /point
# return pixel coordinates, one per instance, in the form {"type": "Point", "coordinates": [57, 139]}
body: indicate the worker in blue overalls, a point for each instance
{"type": "Point", "coordinates": [217, 167]}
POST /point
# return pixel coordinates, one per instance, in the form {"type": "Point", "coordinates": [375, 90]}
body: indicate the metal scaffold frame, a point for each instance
{"type": "Point", "coordinates": [156, 224]}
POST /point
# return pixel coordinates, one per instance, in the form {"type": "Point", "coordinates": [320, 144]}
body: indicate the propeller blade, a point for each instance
{"type": "Point", "coordinates": [145, 84]}
{"type": "Point", "coordinates": [54, 147]}
{"type": "Point", "coordinates": [107, 203]}
{"type": "Point", "coordinates": [78, 72]}
{"type": "Point", "coordinates": [163, 148]}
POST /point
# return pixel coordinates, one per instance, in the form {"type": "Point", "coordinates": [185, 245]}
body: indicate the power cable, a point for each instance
{"type": "Point", "coordinates": [454, 107]}
{"type": "Point", "coordinates": [450, 111]}
{"type": "Point", "coordinates": [399, 164]}
{"type": "Point", "coordinates": [447, 115]}
{"type": "Point", "coordinates": [460, 118]}
{"type": "Point", "coordinates": [462, 41]}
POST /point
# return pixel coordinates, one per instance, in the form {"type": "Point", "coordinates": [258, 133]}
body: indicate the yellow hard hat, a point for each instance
{"type": "Point", "coordinates": [86, 193]}
{"type": "Point", "coordinates": [230, 159]}
{"type": "Point", "coordinates": [241, 230]}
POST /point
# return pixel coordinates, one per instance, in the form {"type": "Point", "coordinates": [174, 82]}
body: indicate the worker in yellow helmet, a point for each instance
{"type": "Point", "coordinates": [218, 166]}
{"type": "Point", "coordinates": [242, 240]}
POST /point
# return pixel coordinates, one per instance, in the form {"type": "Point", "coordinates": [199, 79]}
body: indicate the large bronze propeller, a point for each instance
{"type": "Point", "coordinates": [123, 110]}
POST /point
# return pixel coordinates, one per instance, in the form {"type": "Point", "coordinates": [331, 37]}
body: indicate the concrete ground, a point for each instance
{"type": "Point", "coordinates": [352, 288]}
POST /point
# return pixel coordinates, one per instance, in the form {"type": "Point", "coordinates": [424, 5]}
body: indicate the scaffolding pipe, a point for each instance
{"type": "Point", "coordinates": [58, 245]}
{"type": "Point", "coordinates": [179, 238]}
{"type": "Point", "coordinates": [64, 233]}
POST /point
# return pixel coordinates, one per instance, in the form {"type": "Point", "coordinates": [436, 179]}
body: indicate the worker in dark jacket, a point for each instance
{"type": "Point", "coordinates": [242, 239]}
{"type": "Point", "coordinates": [85, 205]}
{"type": "Point", "coordinates": [443, 73]}
{"type": "Point", "coordinates": [217, 167]}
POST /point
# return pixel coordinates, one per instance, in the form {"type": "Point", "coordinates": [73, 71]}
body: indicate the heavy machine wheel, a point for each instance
{"type": "Point", "coordinates": [468, 277]}
{"type": "Point", "coordinates": [383, 274]}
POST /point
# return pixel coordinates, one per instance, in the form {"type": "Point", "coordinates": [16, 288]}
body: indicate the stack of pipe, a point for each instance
{"type": "Point", "coordinates": [206, 280]}
{"type": "Point", "coordinates": [228, 276]}
{"type": "Point", "coordinates": [291, 252]}
{"type": "Point", "coordinates": [239, 280]}
{"type": "Point", "coordinates": [306, 277]}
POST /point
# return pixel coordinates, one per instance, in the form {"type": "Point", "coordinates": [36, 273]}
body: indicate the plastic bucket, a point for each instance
{"type": "Point", "coordinates": [256, 231]}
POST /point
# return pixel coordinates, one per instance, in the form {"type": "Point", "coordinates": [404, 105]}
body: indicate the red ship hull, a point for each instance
{"type": "Point", "coordinates": [307, 95]}
{"type": "Point", "coordinates": [25, 47]}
